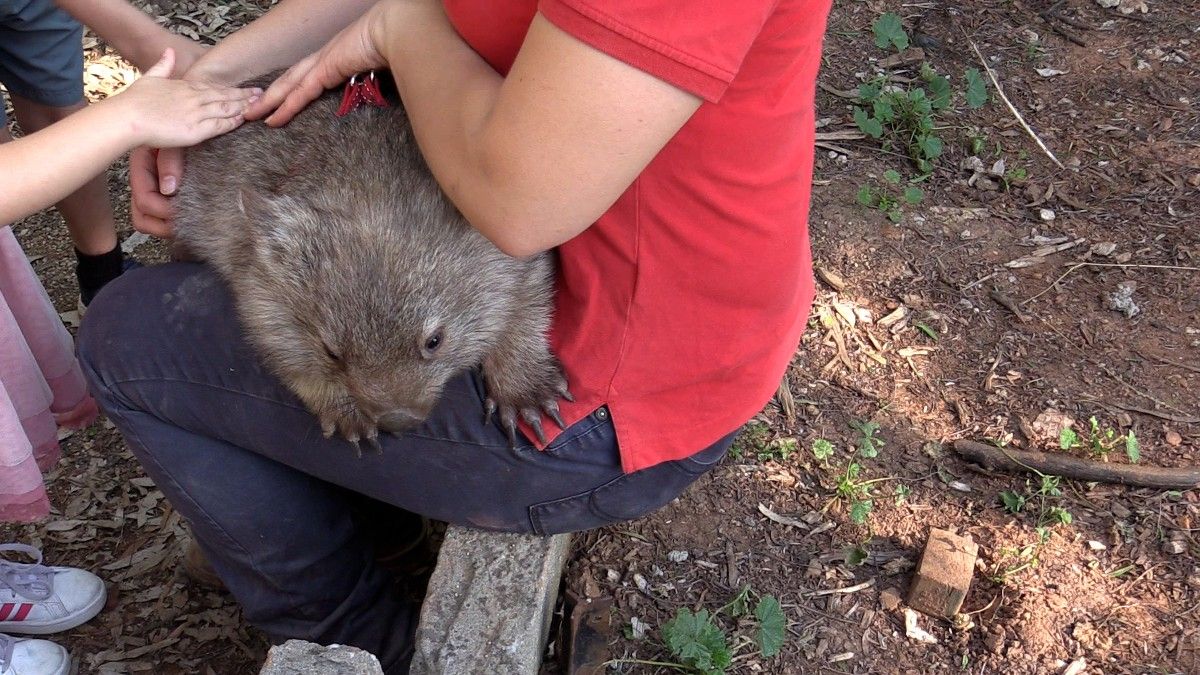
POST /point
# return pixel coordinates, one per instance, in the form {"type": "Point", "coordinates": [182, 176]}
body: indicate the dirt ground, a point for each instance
{"type": "Point", "coordinates": [986, 313]}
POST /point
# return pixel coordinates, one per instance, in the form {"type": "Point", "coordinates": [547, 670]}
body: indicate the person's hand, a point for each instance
{"type": "Point", "coordinates": [149, 199]}
{"type": "Point", "coordinates": [356, 49]}
{"type": "Point", "coordinates": [168, 113]}
{"type": "Point", "coordinates": [150, 204]}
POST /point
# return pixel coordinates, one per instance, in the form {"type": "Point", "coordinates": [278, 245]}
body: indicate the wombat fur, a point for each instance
{"type": "Point", "coordinates": [359, 283]}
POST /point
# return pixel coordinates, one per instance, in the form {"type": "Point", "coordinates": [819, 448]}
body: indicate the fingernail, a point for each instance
{"type": "Point", "coordinates": [254, 98]}
{"type": "Point", "coordinates": [168, 185]}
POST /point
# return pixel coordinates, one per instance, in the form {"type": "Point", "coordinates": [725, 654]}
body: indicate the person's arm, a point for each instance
{"type": "Point", "coordinates": [132, 33]}
{"type": "Point", "coordinates": [531, 160]}
{"type": "Point", "coordinates": [287, 33]}
{"type": "Point", "coordinates": [154, 109]}
{"type": "Point", "coordinates": [278, 39]}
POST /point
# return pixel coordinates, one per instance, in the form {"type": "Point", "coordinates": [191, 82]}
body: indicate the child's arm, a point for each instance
{"type": "Point", "coordinates": [42, 168]}
{"type": "Point", "coordinates": [132, 32]}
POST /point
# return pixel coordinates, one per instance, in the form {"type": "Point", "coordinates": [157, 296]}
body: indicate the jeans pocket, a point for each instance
{"type": "Point", "coordinates": [577, 434]}
{"type": "Point", "coordinates": [626, 497]}
{"type": "Point", "coordinates": [703, 461]}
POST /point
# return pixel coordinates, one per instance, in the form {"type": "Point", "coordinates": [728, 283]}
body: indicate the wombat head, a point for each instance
{"type": "Point", "coordinates": [373, 302]}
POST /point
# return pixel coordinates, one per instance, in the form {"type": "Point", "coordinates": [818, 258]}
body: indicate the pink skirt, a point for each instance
{"type": "Point", "coordinates": [40, 386]}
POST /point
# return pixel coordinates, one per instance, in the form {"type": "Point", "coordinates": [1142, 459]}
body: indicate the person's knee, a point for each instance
{"type": "Point", "coordinates": [129, 322]}
{"type": "Point", "coordinates": [102, 338]}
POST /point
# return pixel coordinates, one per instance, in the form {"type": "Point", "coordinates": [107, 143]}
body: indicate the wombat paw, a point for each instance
{"type": "Point", "coordinates": [352, 426]}
{"type": "Point", "coordinates": [530, 409]}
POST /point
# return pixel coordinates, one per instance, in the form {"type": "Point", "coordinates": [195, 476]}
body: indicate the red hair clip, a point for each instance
{"type": "Point", "coordinates": [359, 91]}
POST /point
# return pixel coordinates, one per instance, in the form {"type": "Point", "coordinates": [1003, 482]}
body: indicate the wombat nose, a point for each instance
{"type": "Point", "coordinates": [399, 420]}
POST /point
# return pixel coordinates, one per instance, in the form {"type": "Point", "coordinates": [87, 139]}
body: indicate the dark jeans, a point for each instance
{"type": "Point", "coordinates": [270, 499]}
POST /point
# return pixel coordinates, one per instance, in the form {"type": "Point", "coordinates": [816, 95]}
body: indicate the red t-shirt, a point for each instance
{"type": "Point", "coordinates": [681, 307]}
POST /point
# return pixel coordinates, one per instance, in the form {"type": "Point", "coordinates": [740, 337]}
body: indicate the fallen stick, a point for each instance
{"type": "Point", "coordinates": [1012, 108]}
{"type": "Point", "coordinates": [1004, 459]}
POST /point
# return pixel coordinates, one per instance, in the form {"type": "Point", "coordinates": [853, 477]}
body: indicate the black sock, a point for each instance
{"type": "Point", "coordinates": [94, 271]}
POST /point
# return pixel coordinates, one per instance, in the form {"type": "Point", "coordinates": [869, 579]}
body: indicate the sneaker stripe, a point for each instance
{"type": "Point", "coordinates": [23, 612]}
{"type": "Point", "coordinates": [5, 610]}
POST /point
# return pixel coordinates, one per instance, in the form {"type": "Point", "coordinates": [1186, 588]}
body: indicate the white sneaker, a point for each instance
{"type": "Point", "coordinates": [36, 599]}
{"type": "Point", "coordinates": [32, 657]}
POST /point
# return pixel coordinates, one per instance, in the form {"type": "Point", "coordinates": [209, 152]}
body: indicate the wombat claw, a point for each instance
{"type": "Point", "coordinates": [532, 416]}
{"type": "Point", "coordinates": [356, 431]}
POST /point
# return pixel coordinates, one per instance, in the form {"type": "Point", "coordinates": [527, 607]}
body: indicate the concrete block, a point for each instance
{"type": "Point", "coordinates": [944, 574]}
{"type": "Point", "coordinates": [297, 657]}
{"type": "Point", "coordinates": [489, 603]}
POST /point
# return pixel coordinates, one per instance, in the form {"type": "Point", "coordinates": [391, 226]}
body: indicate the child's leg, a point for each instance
{"type": "Point", "coordinates": [41, 64]}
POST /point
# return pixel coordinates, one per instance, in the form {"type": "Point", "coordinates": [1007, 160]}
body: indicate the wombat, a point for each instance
{"type": "Point", "coordinates": [356, 279]}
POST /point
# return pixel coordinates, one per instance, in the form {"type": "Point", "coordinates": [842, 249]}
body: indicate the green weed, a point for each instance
{"type": "Point", "coordinates": [700, 645]}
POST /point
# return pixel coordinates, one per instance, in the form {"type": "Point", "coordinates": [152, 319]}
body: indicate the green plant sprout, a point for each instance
{"type": "Point", "coordinates": [902, 114]}
{"type": "Point", "coordinates": [890, 197]}
{"type": "Point", "coordinates": [1101, 441]}
{"type": "Point", "coordinates": [868, 443]}
{"type": "Point", "coordinates": [701, 646]}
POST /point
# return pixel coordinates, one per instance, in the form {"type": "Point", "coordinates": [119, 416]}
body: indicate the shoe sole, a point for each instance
{"type": "Point", "coordinates": [80, 617]}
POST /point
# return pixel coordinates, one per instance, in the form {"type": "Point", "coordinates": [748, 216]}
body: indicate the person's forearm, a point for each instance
{"type": "Point", "coordinates": [292, 30]}
{"type": "Point", "coordinates": [130, 31]}
{"type": "Point", "coordinates": [40, 173]}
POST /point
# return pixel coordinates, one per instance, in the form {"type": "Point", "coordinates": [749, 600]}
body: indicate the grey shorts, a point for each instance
{"type": "Point", "coordinates": [41, 52]}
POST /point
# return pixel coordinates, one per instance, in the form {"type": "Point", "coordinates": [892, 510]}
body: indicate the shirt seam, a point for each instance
{"type": "Point", "coordinates": [649, 42]}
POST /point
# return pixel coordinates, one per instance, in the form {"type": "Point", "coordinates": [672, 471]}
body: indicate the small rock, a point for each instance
{"type": "Point", "coordinates": [70, 318]}
{"type": "Point", "coordinates": [133, 241]}
{"type": "Point", "coordinates": [912, 630]}
{"type": "Point", "coordinates": [1076, 667]}
{"type": "Point", "coordinates": [1174, 547]}
{"type": "Point", "coordinates": [1121, 300]}
{"type": "Point", "coordinates": [1046, 215]}
{"type": "Point", "coordinates": [1103, 249]}
{"type": "Point", "coordinates": [1173, 438]}
{"type": "Point", "coordinates": [994, 640]}
{"type": "Point", "coordinates": [638, 628]}
{"type": "Point", "coordinates": [613, 576]}
{"type": "Point", "coordinates": [1049, 424]}
{"type": "Point", "coordinates": [677, 556]}
{"type": "Point", "coordinates": [1095, 545]}
{"type": "Point", "coordinates": [1050, 72]}
{"type": "Point", "coordinates": [889, 599]}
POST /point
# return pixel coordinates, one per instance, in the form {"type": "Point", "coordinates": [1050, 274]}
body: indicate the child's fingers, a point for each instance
{"type": "Point", "coordinates": [230, 94]}
{"type": "Point", "coordinates": [165, 65]}
{"type": "Point", "coordinates": [224, 109]}
{"type": "Point", "coordinates": [215, 126]}
{"type": "Point", "coordinates": [280, 88]}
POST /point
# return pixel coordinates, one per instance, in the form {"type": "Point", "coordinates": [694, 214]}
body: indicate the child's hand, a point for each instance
{"type": "Point", "coordinates": [168, 113]}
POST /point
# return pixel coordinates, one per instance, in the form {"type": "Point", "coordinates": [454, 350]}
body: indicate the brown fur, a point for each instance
{"type": "Point", "coordinates": [345, 259]}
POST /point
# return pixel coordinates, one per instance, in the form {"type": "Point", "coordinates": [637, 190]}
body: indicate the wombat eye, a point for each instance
{"type": "Point", "coordinates": [329, 352]}
{"type": "Point", "coordinates": [433, 342]}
